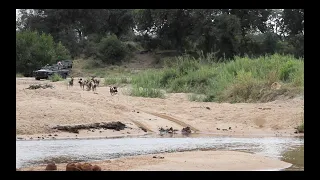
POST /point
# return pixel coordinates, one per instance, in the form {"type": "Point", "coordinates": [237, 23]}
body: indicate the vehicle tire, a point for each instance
{"type": "Point", "coordinates": [48, 77]}
{"type": "Point", "coordinates": [37, 78]}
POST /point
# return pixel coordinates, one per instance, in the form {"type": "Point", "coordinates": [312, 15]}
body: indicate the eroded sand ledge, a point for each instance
{"type": "Point", "coordinates": [187, 161]}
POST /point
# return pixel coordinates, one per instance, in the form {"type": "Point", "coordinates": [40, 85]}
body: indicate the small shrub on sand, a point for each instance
{"type": "Point", "coordinates": [55, 78]}
{"type": "Point", "coordinates": [19, 75]}
{"type": "Point", "coordinates": [300, 128]}
{"type": "Point", "coordinates": [197, 97]}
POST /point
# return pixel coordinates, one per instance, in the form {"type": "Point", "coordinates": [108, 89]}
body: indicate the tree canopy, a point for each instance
{"type": "Point", "coordinates": [226, 32]}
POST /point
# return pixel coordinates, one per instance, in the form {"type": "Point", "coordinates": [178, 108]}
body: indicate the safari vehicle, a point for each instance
{"type": "Point", "coordinates": [67, 64]}
{"type": "Point", "coordinates": [47, 71]}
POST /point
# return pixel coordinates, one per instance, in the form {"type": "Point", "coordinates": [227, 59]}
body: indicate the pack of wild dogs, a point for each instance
{"type": "Point", "coordinates": [91, 84]}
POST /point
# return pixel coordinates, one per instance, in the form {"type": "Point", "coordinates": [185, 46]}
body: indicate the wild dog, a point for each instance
{"type": "Point", "coordinates": [88, 84]}
{"type": "Point", "coordinates": [93, 85]}
{"type": "Point", "coordinates": [97, 82]}
{"type": "Point", "coordinates": [81, 82]}
{"type": "Point", "coordinates": [70, 83]}
{"type": "Point", "coordinates": [113, 90]}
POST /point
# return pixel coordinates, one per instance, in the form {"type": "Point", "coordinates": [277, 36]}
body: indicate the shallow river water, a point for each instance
{"type": "Point", "coordinates": [31, 153]}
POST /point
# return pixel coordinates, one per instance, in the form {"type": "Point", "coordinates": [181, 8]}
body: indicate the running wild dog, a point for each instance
{"type": "Point", "coordinates": [81, 82]}
{"type": "Point", "coordinates": [70, 83]}
{"type": "Point", "coordinates": [113, 90]}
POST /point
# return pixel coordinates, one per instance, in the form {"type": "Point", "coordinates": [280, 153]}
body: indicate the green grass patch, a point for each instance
{"type": "Point", "coordinates": [55, 78]}
{"type": "Point", "coordinates": [89, 67]}
{"type": "Point", "coordinates": [197, 97]}
{"type": "Point", "coordinates": [300, 128]}
{"type": "Point", "coordinates": [145, 92]}
{"type": "Point", "coordinates": [112, 80]}
{"type": "Point", "coordinates": [19, 75]}
{"type": "Point", "coordinates": [239, 80]}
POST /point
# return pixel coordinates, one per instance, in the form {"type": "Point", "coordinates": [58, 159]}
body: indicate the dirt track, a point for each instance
{"type": "Point", "coordinates": [38, 110]}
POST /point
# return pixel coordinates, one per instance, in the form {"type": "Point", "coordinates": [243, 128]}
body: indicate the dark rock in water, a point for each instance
{"type": "Point", "coordinates": [51, 167]}
{"type": "Point", "coordinates": [86, 167]}
{"type": "Point", "coordinates": [208, 108]}
{"type": "Point", "coordinates": [229, 128]}
{"type": "Point", "coordinates": [168, 130]}
{"type": "Point", "coordinates": [96, 168]}
{"type": "Point", "coordinates": [218, 128]}
{"type": "Point", "coordinates": [186, 130]}
{"type": "Point", "coordinates": [72, 167]}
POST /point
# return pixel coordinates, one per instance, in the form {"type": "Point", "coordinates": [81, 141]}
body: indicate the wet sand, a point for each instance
{"type": "Point", "coordinates": [187, 161]}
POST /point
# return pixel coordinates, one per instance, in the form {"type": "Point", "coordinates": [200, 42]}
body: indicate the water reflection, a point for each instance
{"type": "Point", "coordinates": [38, 152]}
{"type": "Point", "coordinates": [295, 156]}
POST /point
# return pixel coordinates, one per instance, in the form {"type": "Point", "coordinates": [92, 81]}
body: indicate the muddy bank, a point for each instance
{"type": "Point", "coordinates": [186, 161]}
{"type": "Point", "coordinates": [101, 130]}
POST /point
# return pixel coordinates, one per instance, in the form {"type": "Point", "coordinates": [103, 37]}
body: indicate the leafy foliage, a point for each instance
{"type": "Point", "coordinates": [225, 32]}
{"type": "Point", "coordinates": [33, 50]}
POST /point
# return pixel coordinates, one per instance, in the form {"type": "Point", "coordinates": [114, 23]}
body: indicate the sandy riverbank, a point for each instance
{"type": "Point", "coordinates": [39, 110]}
{"type": "Point", "coordinates": [187, 161]}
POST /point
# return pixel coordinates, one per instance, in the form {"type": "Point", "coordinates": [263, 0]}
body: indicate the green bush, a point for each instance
{"type": "Point", "coordinates": [112, 50]}
{"type": "Point", "coordinates": [300, 128]}
{"type": "Point", "coordinates": [91, 49]}
{"type": "Point", "coordinates": [34, 50]}
{"type": "Point", "coordinates": [62, 53]}
{"type": "Point", "coordinates": [55, 78]}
